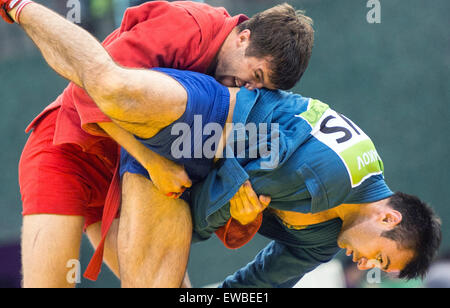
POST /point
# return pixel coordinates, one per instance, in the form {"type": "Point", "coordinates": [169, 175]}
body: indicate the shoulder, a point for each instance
{"type": "Point", "coordinates": [152, 10]}
{"type": "Point", "coordinates": [163, 11]}
{"type": "Point", "coordinates": [338, 159]}
{"type": "Point", "coordinates": [158, 19]}
{"type": "Point", "coordinates": [372, 189]}
{"type": "Point", "coordinates": [194, 82]}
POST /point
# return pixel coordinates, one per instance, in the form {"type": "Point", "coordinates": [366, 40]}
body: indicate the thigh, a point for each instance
{"type": "Point", "coordinates": [60, 179]}
{"type": "Point", "coordinates": [50, 248]}
{"type": "Point", "coordinates": [149, 212]}
{"type": "Point", "coordinates": [153, 228]}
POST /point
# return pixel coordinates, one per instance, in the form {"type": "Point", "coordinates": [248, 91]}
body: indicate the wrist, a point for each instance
{"type": "Point", "coordinates": [149, 162]}
{"type": "Point", "coordinates": [14, 13]}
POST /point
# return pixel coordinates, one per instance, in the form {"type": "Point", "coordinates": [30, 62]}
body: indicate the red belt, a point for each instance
{"type": "Point", "coordinates": [112, 204]}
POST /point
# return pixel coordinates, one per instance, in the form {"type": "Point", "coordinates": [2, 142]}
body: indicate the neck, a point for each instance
{"type": "Point", "coordinates": [224, 48]}
{"type": "Point", "coordinates": [349, 212]}
{"type": "Point", "coordinates": [228, 128]}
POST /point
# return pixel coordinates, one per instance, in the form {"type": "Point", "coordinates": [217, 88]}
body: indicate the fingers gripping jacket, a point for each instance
{"type": "Point", "coordinates": [8, 5]}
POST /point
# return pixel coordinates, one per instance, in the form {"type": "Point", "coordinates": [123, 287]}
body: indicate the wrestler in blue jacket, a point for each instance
{"type": "Point", "coordinates": [318, 169]}
{"type": "Point", "coordinates": [315, 160]}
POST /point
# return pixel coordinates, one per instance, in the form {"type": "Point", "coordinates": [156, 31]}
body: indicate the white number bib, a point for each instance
{"type": "Point", "coordinates": [347, 140]}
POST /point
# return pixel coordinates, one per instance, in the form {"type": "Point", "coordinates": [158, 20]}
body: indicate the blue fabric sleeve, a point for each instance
{"type": "Point", "coordinates": [371, 190]}
{"type": "Point", "coordinates": [279, 266]}
{"type": "Point", "coordinates": [208, 102]}
{"type": "Point", "coordinates": [209, 196]}
{"type": "Point", "coordinates": [291, 255]}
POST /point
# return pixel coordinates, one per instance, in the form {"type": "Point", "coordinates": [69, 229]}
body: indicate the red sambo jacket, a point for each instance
{"type": "Point", "coordinates": [181, 35]}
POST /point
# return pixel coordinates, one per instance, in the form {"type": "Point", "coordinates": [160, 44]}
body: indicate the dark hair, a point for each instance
{"type": "Point", "coordinates": [419, 231]}
{"type": "Point", "coordinates": [287, 37]}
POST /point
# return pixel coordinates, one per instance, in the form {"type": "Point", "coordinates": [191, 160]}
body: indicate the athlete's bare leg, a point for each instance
{"type": "Point", "coordinates": [94, 233]}
{"type": "Point", "coordinates": [49, 242]}
{"type": "Point", "coordinates": [110, 253]}
{"type": "Point", "coordinates": [154, 236]}
{"type": "Point", "coordinates": [186, 282]}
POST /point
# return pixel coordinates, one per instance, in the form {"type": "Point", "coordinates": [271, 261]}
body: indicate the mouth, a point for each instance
{"type": "Point", "coordinates": [231, 81]}
{"type": "Point", "coordinates": [360, 262]}
{"type": "Point", "coordinates": [238, 83]}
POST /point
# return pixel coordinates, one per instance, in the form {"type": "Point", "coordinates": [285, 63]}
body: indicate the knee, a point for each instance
{"type": "Point", "coordinates": [168, 228]}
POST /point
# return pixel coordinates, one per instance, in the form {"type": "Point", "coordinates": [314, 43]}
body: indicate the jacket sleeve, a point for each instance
{"type": "Point", "coordinates": [279, 266]}
{"type": "Point", "coordinates": [210, 198]}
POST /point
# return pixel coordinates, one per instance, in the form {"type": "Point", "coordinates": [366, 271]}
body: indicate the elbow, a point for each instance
{"type": "Point", "coordinates": [107, 89]}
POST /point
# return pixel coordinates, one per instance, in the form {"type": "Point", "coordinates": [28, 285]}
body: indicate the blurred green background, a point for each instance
{"type": "Point", "coordinates": [391, 78]}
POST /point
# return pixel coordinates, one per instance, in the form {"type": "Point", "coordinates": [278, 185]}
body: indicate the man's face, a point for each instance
{"type": "Point", "coordinates": [235, 69]}
{"type": "Point", "coordinates": [363, 240]}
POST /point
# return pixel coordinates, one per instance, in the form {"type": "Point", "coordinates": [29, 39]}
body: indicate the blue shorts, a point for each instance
{"type": "Point", "coordinates": [183, 141]}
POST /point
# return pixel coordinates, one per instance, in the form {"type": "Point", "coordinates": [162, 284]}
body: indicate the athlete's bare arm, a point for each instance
{"type": "Point", "coordinates": [166, 175]}
{"type": "Point", "coordinates": [140, 101]}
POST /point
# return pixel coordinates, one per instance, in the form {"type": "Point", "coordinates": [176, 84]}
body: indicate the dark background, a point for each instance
{"type": "Point", "coordinates": [391, 78]}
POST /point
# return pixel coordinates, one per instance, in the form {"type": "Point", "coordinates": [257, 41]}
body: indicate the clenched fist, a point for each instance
{"type": "Point", "coordinates": [246, 205]}
{"type": "Point", "coordinates": [170, 178]}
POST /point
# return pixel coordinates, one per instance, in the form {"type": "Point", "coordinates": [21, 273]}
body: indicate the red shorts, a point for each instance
{"type": "Point", "coordinates": [61, 179]}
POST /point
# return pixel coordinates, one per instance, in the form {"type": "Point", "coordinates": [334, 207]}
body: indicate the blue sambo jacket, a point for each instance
{"type": "Point", "coordinates": [315, 160]}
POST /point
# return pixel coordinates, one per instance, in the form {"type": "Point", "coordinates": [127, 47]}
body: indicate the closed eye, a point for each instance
{"type": "Point", "coordinates": [259, 76]}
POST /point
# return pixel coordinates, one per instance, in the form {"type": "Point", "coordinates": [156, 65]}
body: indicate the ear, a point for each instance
{"type": "Point", "coordinates": [391, 218]}
{"type": "Point", "coordinates": [244, 37]}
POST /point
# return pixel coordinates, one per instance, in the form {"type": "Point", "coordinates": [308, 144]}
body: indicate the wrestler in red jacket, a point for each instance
{"type": "Point", "coordinates": [67, 170]}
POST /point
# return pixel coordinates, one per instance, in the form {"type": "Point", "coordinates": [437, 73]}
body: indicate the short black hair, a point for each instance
{"type": "Point", "coordinates": [419, 231]}
{"type": "Point", "coordinates": [287, 37]}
